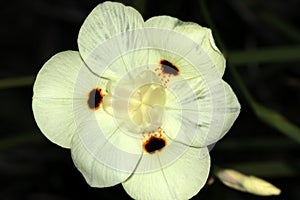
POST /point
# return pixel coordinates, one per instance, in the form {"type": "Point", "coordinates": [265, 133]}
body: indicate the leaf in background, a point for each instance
{"type": "Point", "coordinates": [283, 26]}
{"type": "Point", "coordinates": [277, 121]}
{"type": "Point", "coordinates": [265, 114]}
{"type": "Point", "coordinates": [278, 54]}
{"type": "Point", "coordinates": [20, 139]}
{"type": "Point", "coordinates": [269, 168]}
{"type": "Point", "coordinates": [17, 82]}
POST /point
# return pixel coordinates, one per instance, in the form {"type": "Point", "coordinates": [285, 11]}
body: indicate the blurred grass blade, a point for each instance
{"type": "Point", "coordinates": [140, 5]}
{"type": "Point", "coordinates": [271, 168]}
{"type": "Point", "coordinates": [257, 144]}
{"type": "Point", "coordinates": [208, 19]}
{"type": "Point", "coordinates": [245, 183]}
{"type": "Point", "coordinates": [17, 82]}
{"type": "Point", "coordinates": [280, 54]}
{"type": "Point", "coordinates": [277, 121]}
{"type": "Point", "coordinates": [270, 117]}
{"type": "Point", "coordinates": [281, 25]}
{"type": "Point", "coordinates": [22, 138]}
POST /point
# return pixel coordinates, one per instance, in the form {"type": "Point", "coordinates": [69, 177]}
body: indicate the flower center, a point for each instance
{"type": "Point", "coordinates": [136, 101]}
{"type": "Point", "coordinates": [146, 104]}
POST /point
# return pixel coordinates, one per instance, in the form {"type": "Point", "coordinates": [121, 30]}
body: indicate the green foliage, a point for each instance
{"type": "Point", "coordinates": [270, 55]}
{"type": "Point", "coordinates": [16, 82]}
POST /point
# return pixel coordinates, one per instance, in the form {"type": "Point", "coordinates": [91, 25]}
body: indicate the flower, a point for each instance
{"type": "Point", "coordinates": [244, 183]}
{"type": "Point", "coordinates": [139, 103]}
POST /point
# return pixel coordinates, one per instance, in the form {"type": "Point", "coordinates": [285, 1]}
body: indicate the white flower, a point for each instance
{"type": "Point", "coordinates": [139, 103]}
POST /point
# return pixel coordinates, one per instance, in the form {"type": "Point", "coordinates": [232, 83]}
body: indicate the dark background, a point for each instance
{"type": "Point", "coordinates": [32, 168]}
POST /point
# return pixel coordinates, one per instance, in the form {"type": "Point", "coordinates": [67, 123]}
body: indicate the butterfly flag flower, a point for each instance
{"type": "Point", "coordinates": [139, 103]}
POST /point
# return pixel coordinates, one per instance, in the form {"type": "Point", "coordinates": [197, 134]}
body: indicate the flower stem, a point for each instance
{"type": "Point", "coordinates": [17, 82]}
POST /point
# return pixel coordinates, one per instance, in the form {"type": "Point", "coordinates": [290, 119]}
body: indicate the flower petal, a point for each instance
{"type": "Point", "coordinates": [232, 109]}
{"type": "Point", "coordinates": [106, 20]}
{"type": "Point", "coordinates": [53, 97]}
{"type": "Point", "coordinates": [226, 109]}
{"type": "Point", "coordinates": [198, 34]}
{"type": "Point", "coordinates": [103, 153]}
{"type": "Point", "coordinates": [180, 180]}
{"type": "Point", "coordinates": [199, 115]}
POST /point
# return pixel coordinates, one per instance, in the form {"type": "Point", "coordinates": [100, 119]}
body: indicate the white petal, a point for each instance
{"type": "Point", "coordinates": [232, 108]}
{"type": "Point", "coordinates": [199, 115]}
{"type": "Point", "coordinates": [103, 153]}
{"type": "Point", "coordinates": [53, 97]}
{"type": "Point", "coordinates": [189, 112]}
{"type": "Point", "coordinates": [95, 173]}
{"type": "Point", "coordinates": [195, 32]}
{"type": "Point", "coordinates": [181, 179]}
{"type": "Point", "coordinates": [85, 83]}
{"type": "Point", "coordinates": [105, 21]}
{"type": "Point", "coordinates": [120, 67]}
{"type": "Point", "coordinates": [226, 108]}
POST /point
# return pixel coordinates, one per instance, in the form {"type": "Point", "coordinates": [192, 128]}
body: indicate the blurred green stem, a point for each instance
{"type": "Point", "coordinates": [270, 117]}
{"type": "Point", "coordinates": [285, 27]}
{"type": "Point", "coordinates": [260, 144]}
{"type": "Point", "coordinates": [209, 21]}
{"type": "Point", "coordinates": [16, 82]}
{"type": "Point", "coordinates": [279, 54]}
{"type": "Point", "coordinates": [139, 5]}
{"type": "Point", "coordinates": [265, 114]}
{"type": "Point", "coordinates": [273, 168]}
{"type": "Point", "coordinates": [270, 169]}
{"type": "Point", "coordinates": [20, 139]}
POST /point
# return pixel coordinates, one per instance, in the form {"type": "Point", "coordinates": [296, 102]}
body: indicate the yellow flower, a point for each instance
{"type": "Point", "coordinates": [139, 103]}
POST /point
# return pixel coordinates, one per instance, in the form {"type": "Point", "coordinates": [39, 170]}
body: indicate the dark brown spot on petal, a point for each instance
{"type": "Point", "coordinates": [169, 68]}
{"type": "Point", "coordinates": [154, 141]}
{"type": "Point", "coordinates": [95, 98]}
{"type": "Point", "coordinates": [154, 144]}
